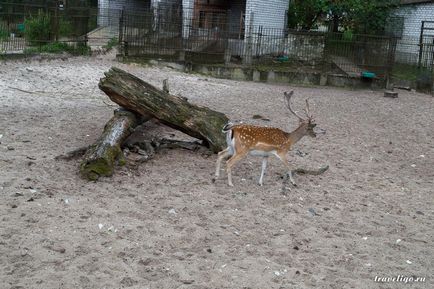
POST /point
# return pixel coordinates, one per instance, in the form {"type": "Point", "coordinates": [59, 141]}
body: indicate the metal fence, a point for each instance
{"type": "Point", "coordinates": [189, 41]}
{"type": "Point", "coordinates": [170, 32]}
{"type": "Point", "coordinates": [24, 25]}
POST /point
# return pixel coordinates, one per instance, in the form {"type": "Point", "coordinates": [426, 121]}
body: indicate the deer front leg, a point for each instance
{"type": "Point", "coordinates": [221, 155]}
{"type": "Point", "coordinates": [291, 179]}
{"type": "Point", "coordinates": [264, 166]}
{"type": "Point", "coordinates": [230, 163]}
{"type": "Point", "coordinates": [282, 156]}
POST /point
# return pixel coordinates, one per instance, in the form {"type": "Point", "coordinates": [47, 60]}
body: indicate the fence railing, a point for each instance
{"type": "Point", "coordinates": [28, 26]}
{"type": "Point", "coordinates": [150, 37]}
{"type": "Point", "coordinates": [172, 33]}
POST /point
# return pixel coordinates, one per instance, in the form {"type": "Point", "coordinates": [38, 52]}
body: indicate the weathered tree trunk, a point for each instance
{"type": "Point", "coordinates": [101, 158]}
{"type": "Point", "coordinates": [141, 97]}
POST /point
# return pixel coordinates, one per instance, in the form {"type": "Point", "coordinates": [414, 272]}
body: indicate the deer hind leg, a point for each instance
{"type": "Point", "coordinates": [221, 155]}
{"type": "Point", "coordinates": [230, 163]}
{"type": "Point", "coordinates": [282, 156]}
{"type": "Point", "coordinates": [264, 166]}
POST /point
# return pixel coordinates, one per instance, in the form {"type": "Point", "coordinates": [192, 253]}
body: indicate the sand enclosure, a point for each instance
{"type": "Point", "coordinates": [165, 224]}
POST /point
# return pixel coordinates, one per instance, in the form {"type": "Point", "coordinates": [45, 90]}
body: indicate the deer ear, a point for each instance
{"type": "Point", "coordinates": [287, 94]}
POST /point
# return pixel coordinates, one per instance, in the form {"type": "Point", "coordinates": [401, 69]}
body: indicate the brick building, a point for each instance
{"type": "Point", "coordinates": [411, 14]}
{"type": "Point", "coordinates": [238, 14]}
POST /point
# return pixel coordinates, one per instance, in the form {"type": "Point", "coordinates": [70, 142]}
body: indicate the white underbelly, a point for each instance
{"type": "Point", "coordinates": [262, 153]}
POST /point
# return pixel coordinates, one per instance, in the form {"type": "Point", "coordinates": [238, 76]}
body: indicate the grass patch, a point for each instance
{"type": "Point", "coordinates": [421, 77]}
{"type": "Point", "coordinates": [408, 72]}
{"type": "Point", "coordinates": [111, 44]}
{"type": "Point", "coordinates": [59, 47]}
{"type": "Point", "coordinates": [4, 35]}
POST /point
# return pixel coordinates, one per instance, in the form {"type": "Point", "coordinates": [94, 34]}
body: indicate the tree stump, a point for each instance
{"type": "Point", "coordinates": [391, 94]}
{"type": "Point", "coordinates": [101, 158]}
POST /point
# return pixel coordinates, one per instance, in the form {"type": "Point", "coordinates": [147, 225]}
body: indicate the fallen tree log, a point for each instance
{"type": "Point", "coordinates": [317, 172]}
{"type": "Point", "coordinates": [101, 158]}
{"type": "Point", "coordinates": [143, 98]}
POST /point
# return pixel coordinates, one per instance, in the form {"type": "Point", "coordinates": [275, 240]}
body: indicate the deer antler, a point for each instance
{"type": "Point", "coordinates": [307, 110]}
{"type": "Point", "coordinates": [288, 96]}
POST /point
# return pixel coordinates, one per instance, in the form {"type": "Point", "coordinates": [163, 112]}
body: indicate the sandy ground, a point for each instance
{"type": "Point", "coordinates": [165, 224]}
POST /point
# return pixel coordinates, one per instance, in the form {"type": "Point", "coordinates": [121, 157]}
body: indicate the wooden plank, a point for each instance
{"type": "Point", "coordinates": [347, 66]}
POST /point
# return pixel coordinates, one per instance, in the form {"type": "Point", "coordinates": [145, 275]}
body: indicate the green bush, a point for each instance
{"type": "Point", "coordinates": [347, 35]}
{"type": "Point", "coordinates": [55, 47]}
{"type": "Point", "coordinates": [81, 49]}
{"type": "Point", "coordinates": [4, 35]}
{"type": "Point", "coordinates": [37, 30]}
{"type": "Point", "coordinates": [111, 43]}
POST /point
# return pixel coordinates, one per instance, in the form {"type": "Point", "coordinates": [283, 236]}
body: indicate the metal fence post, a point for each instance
{"type": "Point", "coordinates": [390, 60]}
{"type": "Point", "coordinates": [56, 21]}
{"type": "Point", "coordinates": [226, 34]}
{"type": "Point", "coordinates": [247, 59]}
{"type": "Point", "coordinates": [432, 67]}
{"type": "Point", "coordinates": [121, 31]}
{"type": "Point", "coordinates": [421, 44]}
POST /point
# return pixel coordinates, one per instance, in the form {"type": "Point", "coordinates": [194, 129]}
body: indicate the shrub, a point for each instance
{"type": "Point", "coordinates": [4, 35]}
{"type": "Point", "coordinates": [55, 47]}
{"type": "Point", "coordinates": [37, 30]}
{"type": "Point", "coordinates": [81, 49]}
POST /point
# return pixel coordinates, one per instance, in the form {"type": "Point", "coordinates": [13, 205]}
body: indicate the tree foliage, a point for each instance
{"type": "Point", "coordinates": [305, 14]}
{"type": "Point", "coordinates": [357, 16]}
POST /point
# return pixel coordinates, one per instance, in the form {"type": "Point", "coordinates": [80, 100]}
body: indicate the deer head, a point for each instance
{"type": "Point", "coordinates": [308, 122]}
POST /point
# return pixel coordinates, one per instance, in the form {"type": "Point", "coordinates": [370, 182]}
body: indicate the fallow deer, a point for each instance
{"type": "Point", "coordinates": [263, 141]}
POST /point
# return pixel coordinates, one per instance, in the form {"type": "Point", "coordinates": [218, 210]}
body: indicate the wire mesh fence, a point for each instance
{"type": "Point", "coordinates": [175, 33]}
{"type": "Point", "coordinates": [28, 26]}
{"type": "Point", "coordinates": [192, 41]}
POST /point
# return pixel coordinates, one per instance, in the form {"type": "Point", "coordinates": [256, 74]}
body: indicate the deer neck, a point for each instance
{"type": "Point", "coordinates": [298, 133]}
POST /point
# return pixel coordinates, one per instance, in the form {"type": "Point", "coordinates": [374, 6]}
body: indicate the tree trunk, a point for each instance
{"type": "Point", "coordinates": [101, 158]}
{"type": "Point", "coordinates": [141, 97]}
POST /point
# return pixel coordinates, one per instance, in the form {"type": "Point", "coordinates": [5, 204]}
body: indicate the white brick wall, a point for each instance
{"type": "Point", "coordinates": [413, 17]}
{"type": "Point", "coordinates": [269, 14]}
{"type": "Point", "coordinates": [187, 6]}
{"type": "Point", "coordinates": [407, 48]}
{"type": "Point", "coordinates": [109, 10]}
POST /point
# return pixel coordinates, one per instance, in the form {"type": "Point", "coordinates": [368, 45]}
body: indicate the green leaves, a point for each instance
{"type": "Point", "coordinates": [357, 16]}
{"type": "Point", "coordinates": [304, 14]}
{"type": "Point", "coordinates": [37, 28]}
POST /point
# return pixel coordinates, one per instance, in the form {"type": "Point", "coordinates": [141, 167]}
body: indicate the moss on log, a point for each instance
{"type": "Point", "coordinates": [101, 158]}
{"type": "Point", "coordinates": [143, 98]}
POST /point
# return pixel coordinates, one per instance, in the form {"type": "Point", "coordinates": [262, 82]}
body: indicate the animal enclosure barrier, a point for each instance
{"type": "Point", "coordinates": [426, 44]}
{"type": "Point", "coordinates": [149, 37]}
{"type": "Point", "coordinates": [24, 26]}
{"type": "Point", "coordinates": [28, 26]}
